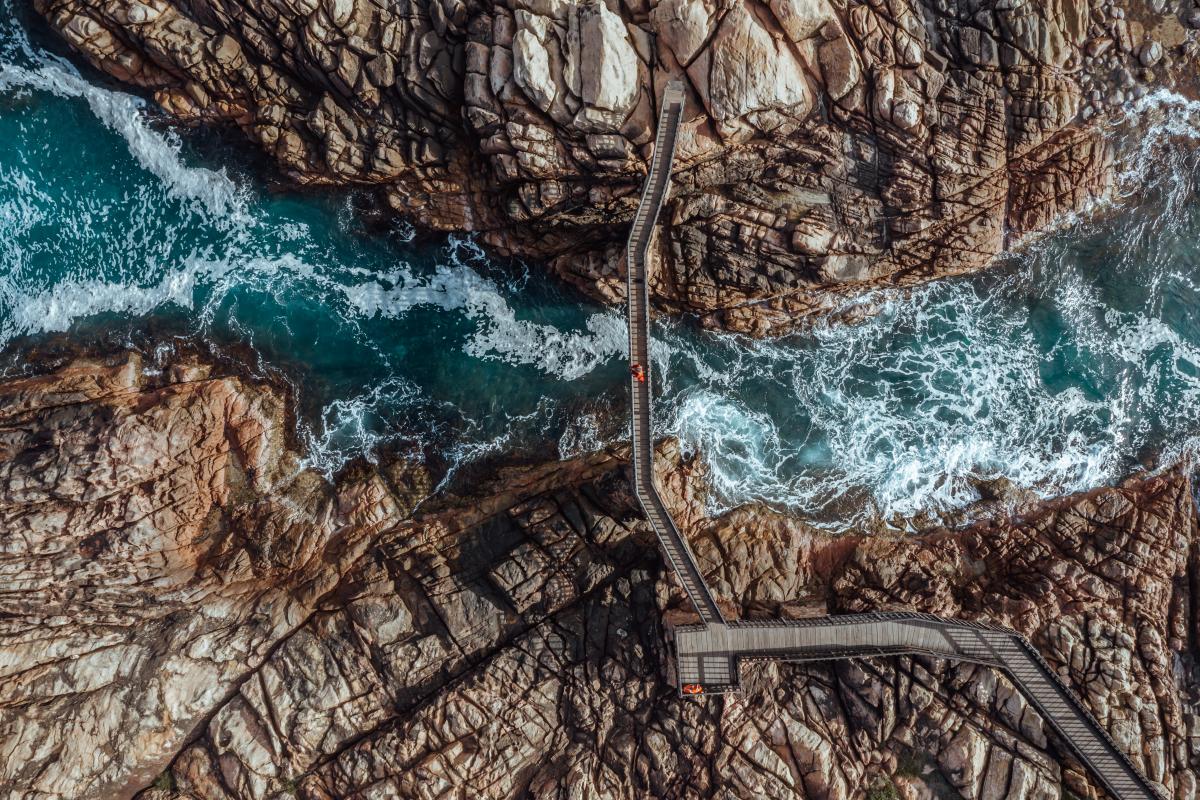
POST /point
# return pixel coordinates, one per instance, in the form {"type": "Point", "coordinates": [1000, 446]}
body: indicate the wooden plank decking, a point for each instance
{"type": "Point", "coordinates": [709, 654]}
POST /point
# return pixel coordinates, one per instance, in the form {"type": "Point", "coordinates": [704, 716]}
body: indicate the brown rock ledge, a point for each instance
{"type": "Point", "coordinates": [830, 146]}
{"type": "Point", "coordinates": [176, 595]}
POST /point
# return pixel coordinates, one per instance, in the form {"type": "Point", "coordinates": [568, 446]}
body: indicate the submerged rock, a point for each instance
{"type": "Point", "coordinates": [926, 136]}
{"type": "Point", "coordinates": [186, 613]}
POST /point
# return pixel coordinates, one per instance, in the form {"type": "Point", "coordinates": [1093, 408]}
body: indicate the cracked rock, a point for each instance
{"type": "Point", "coordinates": [930, 135]}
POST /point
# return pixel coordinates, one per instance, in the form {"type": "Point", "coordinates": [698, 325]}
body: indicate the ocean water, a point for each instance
{"type": "Point", "coordinates": [1070, 364]}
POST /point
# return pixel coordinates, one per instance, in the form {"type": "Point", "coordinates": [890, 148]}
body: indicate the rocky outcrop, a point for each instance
{"type": "Point", "coordinates": [1101, 583]}
{"type": "Point", "coordinates": [157, 542]}
{"type": "Point", "coordinates": [188, 613]}
{"type": "Point", "coordinates": [830, 145]}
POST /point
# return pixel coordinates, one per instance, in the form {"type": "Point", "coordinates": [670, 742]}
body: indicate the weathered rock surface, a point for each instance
{"type": "Point", "coordinates": [179, 595]}
{"type": "Point", "coordinates": [1102, 583]}
{"type": "Point", "coordinates": [156, 542]}
{"type": "Point", "coordinates": [830, 145]}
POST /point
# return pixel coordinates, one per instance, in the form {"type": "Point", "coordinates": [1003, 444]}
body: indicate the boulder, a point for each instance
{"type": "Point", "coordinates": [840, 67]}
{"type": "Point", "coordinates": [1150, 53]}
{"type": "Point", "coordinates": [608, 64]}
{"type": "Point", "coordinates": [801, 19]}
{"type": "Point", "coordinates": [531, 68]}
{"type": "Point", "coordinates": [751, 70]}
{"type": "Point", "coordinates": [683, 26]}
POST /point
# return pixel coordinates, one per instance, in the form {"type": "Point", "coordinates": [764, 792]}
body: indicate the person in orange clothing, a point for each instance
{"type": "Point", "coordinates": [639, 373]}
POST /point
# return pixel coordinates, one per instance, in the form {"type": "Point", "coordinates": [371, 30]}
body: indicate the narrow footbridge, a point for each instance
{"type": "Point", "coordinates": [708, 654]}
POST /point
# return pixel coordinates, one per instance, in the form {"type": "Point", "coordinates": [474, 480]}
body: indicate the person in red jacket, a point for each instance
{"type": "Point", "coordinates": [639, 373]}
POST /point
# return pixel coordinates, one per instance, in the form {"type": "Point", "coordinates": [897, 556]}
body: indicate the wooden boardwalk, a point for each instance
{"type": "Point", "coordinates": [679, 555]}
{"type": "Point", "coordinates": [708, 654]}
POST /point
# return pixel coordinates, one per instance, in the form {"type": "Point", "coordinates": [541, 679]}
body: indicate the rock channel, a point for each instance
{"type": "Point", "coordinates": [830, 146]}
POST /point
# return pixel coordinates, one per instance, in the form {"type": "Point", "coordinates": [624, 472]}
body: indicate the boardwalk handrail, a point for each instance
{"type": "Point", "coordinates": [678, 553]}
{"type": "Point", "coordinates": [884, 634]}
{"type": "Point", "coordinates": [709, 653]}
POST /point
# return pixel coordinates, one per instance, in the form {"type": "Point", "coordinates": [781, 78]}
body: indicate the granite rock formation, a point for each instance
{"type": "Point", "coordinates": [186, 612]}
{"type": "Point", "coordinates": [158, 542]}
{"type": "Point", "coordinates": [830, 145]}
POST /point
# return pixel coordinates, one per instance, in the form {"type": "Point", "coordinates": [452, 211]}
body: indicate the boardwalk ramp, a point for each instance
{"type": "Point", "coordinates": [708, 655]}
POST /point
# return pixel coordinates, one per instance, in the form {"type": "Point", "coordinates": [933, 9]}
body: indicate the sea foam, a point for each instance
{"type": "Point", "coordinates": [500, 334]}
{"type": "Point", "coordinates": [156, 152]}
{"type": "Point", "coordinates": [1057, 372]}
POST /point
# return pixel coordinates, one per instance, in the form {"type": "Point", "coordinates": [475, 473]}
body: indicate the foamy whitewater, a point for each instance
{"type": "Point", "coordinates": [1072, 363]}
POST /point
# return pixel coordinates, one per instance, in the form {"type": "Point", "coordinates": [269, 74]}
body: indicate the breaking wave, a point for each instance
{"type": "Point", "coordinates": [156, 152]}
{"type": "Point", "coordinates": [499, 334]}
{"type": "Point", "coordinates": [1075, 361]}
{"type": "Point", "coordinates": [1067, 366]}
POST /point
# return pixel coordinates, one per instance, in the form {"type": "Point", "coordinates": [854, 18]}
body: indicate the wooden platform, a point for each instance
{"type": "Point", "coordinates": [708, 655]}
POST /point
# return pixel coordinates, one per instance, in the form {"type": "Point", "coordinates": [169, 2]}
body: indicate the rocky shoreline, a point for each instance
{"type": "Point", "coordinates": [188, 613]}
{"type": "Point", "coordinates": [185, 614]}
{"type": "Point", "coordinates": [830, 146]}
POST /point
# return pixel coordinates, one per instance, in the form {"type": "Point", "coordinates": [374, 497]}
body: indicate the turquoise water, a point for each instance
{"type": "Point", "coordinates": [1065, 367]}
{"type": "Point", "coordinates": [106, 211]}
